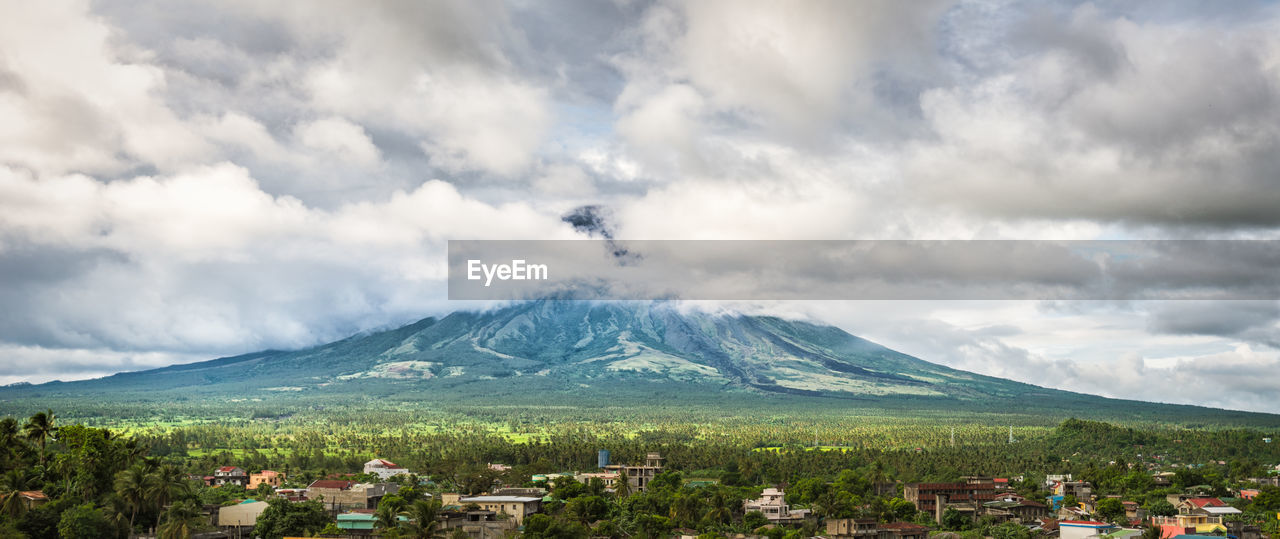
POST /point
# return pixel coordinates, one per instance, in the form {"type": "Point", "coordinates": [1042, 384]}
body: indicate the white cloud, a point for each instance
{"type": "Point", "coordinates": [73, 101]}
{"type": "Point", "coordinates": [343, 139]}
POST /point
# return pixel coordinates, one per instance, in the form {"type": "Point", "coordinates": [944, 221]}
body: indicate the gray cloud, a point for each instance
{"type": "Point", "coordinates": [278, 175]}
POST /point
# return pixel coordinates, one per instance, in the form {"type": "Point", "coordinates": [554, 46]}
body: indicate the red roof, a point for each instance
{"type": "Point", "coordinates": [1206, 502]}
{"type": "Point", "coordinates": [1000, 480]}
{"type": "Point", "coordinates": [33, 495]}
{"type": "Point", "coordinates": [332, 483]}
{"type": "Point", "coordinates": [386, 463]}
{"type": "Point", "coordinates": [1085, 522]}
{"type": "Point", "coordinates": [227, 469]}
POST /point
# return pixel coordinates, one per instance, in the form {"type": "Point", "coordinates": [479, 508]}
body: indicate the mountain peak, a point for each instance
{"type": "Point", "coordinates": [580, 345]}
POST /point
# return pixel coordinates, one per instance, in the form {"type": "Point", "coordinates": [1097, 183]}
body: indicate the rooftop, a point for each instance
{"type": "Point", "coordinates": [500, 499]}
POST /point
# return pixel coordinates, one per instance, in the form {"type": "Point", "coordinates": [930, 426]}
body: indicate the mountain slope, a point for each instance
{"type": "Point", "coordinates": [575, 345]}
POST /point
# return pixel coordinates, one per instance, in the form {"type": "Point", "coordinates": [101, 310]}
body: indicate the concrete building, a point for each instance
{"type": "Point", "coordinates": [242, 516]}
{"type": "Point", "coordinates": [359, 520]}
{"type": "Point", "coordinates": [384, 469]}
{"type": "Point", "coordinates": [610, 479]}
{"type": "Point", "coordinates": [1188, 525]}
{"type": "Point", "coordinates": [267, 477]}
{"type": "Point", "coordinates": [1084, 529]}
{"type": "Point", "coordinates": [773, 504]}
{"type": "Point", "coordinates": [517, 507]}
{"type": "Point", "coordinates": [639, 476]}
{"type": "Point", "coordinates": [937, 497]}
{"type": "Point", "coordinates": [849, 528]}
{"type": "Point", "coordinates": [478, 524]}
{"type": "Point", "coordinates": [230, 475]}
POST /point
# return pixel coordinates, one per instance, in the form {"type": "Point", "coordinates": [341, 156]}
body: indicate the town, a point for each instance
{"type": "Point", "coordinates": [646, 496]}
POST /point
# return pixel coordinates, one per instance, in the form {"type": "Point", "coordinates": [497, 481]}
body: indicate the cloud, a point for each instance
{"type": "Point", "coordinates": [1107, 118]}
{"type": "Point", "coordinates": [343, 139]}
{"type": "Point", "coordinates": [205, 261]}
{"type": "Point", "coordinates": [214, 177]}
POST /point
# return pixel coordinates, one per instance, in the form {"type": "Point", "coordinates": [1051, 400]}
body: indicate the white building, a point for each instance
{"type": "Point", "coordinates": [384, 469]}
{"type": "Point", "coordinates": [773, 504]}
{"type": "Point", "coordinates": [1084, 529]}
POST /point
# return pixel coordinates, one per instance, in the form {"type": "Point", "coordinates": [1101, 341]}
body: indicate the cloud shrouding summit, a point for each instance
{"type": "Point", "coordinates": [184, 181]}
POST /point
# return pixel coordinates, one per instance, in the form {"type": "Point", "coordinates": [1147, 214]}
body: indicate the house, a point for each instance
{"type": "Point", "coordinates": [518, 507]}
{"type": "Point", "coordinates": [937, 497]}
{"type": "Point", "coordinates": [230, 475]}
{"type": "Point", "coordinates": [292, 494]}
{"type": "Point", "coordinates": [773, 504]}
{"type": "Point", "coordinates": [360, 519]}
{"type": "Point", "coordinates": [1188, 524]}
{"type": "Point", "coordinates": [266, 477]}
{"type": "Point", "coordinates": [31, 498]}
{"type": "Point", "coordinates": [1082, 490]}
{"type": "Point", "coordinates": [1051, 480]}
{"type": "Point", "coordinates": [639, 476]}
{"type": "Point", "coordinates": [1084, 529]}
{"type": "Point", "coordinates": [384, 469]}
{"type": "Point", "coordinates": [242, 515]}
{"type": "Point", "coordinates": [610, 479]}
{"type": "Point", "coordinates": [336, 494]}
{"type": "Point", "coordinates": [1072, 513]}
{"type": "Point", "coordinates": [1190, 504]}
{"type": "Point", "coordinates": [845, 528]}
{"type": "Point", "coordinates": [478, 524]}
{"type": "Point", "coordinates": [499, 467]}
{"type": "Point", "coordinates": [868, 528]}
{"type": "Point", "coordinates": [1015, 509]}
{"type": "Point", "coordinates": [518, 491]}
{"type": "Point", "coordinates": [340, 495]}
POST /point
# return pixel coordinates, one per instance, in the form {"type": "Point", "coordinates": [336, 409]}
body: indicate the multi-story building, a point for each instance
{"type": "Point", "coordinates": [267, 477]}
{"type": "Point", "coordinates": [518, 507]}
{"type": "Point", "coordinates": [230, 475]}
{"type": "Point", "coordinates": [773, 504]}
{"type": "Point", "coordinates": [639, 476]}
{"type": "Point", "coordinates": [384, 469]}
{"type": "Point", "coordinates": [1084, 529]}
{"type": "Point", "coordinates": [937, 497]}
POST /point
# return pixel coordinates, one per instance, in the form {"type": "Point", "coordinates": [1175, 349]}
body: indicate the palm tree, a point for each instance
{"type": "Point", "coordinates": [40, 428]}
{"type": "Point", "coordinates": [180, 520]}
{"type": "Point", "coordinates": [423, 518]}
{"type": "Point", "coordinates": [9, 438]}
{"type": "Point", "coordinates": [720, 511]}
{"type": "Point", "coordinates": [386, 518]}
{"type": "Point", "coordinates": [165, 484]}
{"type": "Point", "coordinates": [11, 487]}
{"type": "Point", "coordinates": [133, 486]}
{"type": "Point", "coordinates": [623, 486]}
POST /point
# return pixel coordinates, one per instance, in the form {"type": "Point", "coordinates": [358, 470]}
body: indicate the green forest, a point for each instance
{"type": "Point", "coordinates": [106, 478]}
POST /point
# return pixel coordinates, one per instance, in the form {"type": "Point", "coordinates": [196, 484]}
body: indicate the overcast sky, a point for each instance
{"type": "Point", "coordinates": [191, 180]}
